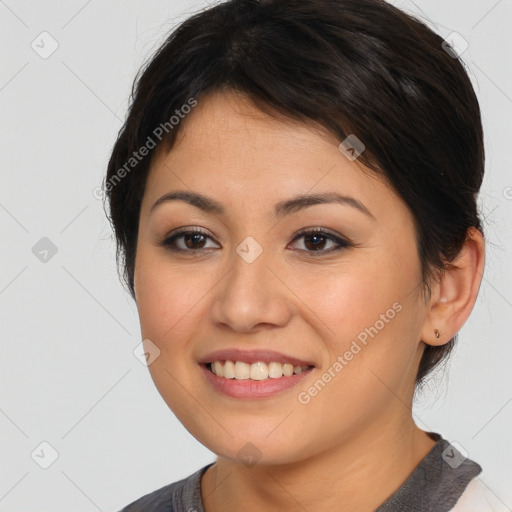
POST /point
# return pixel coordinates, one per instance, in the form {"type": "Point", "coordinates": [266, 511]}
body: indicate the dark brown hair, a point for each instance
{"type": "Point", "coordinates": [360, 67]}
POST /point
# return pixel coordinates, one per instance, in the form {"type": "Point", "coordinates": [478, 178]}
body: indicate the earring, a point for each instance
{"type": "Point", "coordinates": [437, 333]}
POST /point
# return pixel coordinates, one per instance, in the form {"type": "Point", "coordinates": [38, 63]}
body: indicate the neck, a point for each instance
{"type": "Point", "coordinates": [359, 475]}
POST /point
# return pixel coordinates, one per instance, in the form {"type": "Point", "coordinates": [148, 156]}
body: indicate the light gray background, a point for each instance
{"type": "Point", "coordinates": [68, 375]}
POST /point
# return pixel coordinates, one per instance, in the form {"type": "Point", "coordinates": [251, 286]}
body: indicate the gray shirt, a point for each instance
{"type": "Point", "coordinates": [435, 485]}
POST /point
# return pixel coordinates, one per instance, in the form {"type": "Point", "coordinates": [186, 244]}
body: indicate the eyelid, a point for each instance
{"type": "Point", "coordinates": [181, 232]}
{"type": "Point", "coordinates": [319, 229]}
{"type": "Point", "coordinates": [341, 241]}
{"type": "Point", "coordinates": [188, 229]}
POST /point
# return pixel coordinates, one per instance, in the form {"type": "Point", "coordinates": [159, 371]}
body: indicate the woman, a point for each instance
{"type": "Point", "coordinates": [294, 199]}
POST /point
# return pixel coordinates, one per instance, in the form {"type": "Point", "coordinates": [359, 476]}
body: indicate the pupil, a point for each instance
{"type": "Point", "coordinates": [195, 240]}
{"type": "Point", "coordinates": [317, 237]}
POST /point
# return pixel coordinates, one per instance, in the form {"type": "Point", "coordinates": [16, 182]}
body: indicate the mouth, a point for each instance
{"type": "Point", "coordinates": [251, 374]}
{"type": "Point", "coordinates": [253, 380]}
{"type": "Point", "coordinates": [258, 371]}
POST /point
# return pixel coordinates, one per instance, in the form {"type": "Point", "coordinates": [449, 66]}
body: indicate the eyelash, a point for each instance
{"type": "Point", "coordinates": [170, 242]}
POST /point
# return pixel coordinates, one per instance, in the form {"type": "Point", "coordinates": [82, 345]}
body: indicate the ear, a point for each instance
{"type": "Point", "coordinates": [454, 295]}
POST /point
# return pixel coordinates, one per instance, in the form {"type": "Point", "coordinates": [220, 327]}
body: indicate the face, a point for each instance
{"type": "Point", "coordinates": [332, 284]}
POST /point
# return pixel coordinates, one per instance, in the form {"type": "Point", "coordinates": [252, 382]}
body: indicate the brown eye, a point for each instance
{"type": "Point", "coordinates": [194, 240]}
{"type": "Point", "coordinates": [316, 240]}
{"type": "Point", "coordinates": [187, 241]}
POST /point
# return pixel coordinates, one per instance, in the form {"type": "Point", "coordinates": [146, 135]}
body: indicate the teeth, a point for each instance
{"type": "Point", "coordinates": [259, 371]}
{"type": "Point", "coordinates": [218, 369]}
{"type": "Point", "coordinates": [256, 371]}
{"type": "Point", "coordinates": [242, 370]}
{"type": "Point", "coordinates": [287, 370]}
{"type": "Point", "coordinates": [275, 370]}
{"type": "Point", "coordinates": [229, 370]}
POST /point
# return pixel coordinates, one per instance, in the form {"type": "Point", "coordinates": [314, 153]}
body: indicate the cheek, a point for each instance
{"type": "Point", "coordinates": [367, 312]}
{"type": "Point", "coordinates": [165, 306]}
{"type": "Point", "coordinates": [351, 298]}
{"type": "Point", "coordinates": [371, 348]}
{"type": "Point", "coordinates": [169, 302]}
{"type": "Point", "coordinates": [166, 295]}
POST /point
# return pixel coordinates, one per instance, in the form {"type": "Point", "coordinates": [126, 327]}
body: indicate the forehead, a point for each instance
{"type": "Point", "coordinates": [228, 147]}
{"type": "Point", "coordinates": [229, 127]}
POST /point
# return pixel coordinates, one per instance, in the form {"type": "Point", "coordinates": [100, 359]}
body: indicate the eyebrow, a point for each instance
{"type": "Point", "coordinates": [283, 208]}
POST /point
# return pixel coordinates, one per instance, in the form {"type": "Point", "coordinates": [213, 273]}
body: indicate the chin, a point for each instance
{"type": "Point", "coordinates": [253, 445]}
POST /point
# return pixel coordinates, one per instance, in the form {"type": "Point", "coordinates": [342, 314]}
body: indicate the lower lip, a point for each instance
{"type": "Point", "coordinates": [248, 388]}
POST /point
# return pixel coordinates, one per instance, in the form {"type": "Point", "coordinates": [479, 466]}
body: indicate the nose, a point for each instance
{"type": "Point", "coordinates": [251, 296]}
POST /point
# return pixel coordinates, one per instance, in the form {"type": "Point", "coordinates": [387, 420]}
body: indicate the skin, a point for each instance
{"type": "Point", "coordinates": [355, 442]}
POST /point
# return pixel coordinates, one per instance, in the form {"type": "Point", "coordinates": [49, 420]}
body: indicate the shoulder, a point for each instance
{"type": "Point", "coordinates": [479, 497]}
{"type": "Point", "coordinates": [183, 495]}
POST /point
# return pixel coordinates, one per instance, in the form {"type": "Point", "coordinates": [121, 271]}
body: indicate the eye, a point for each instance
{"type": "Point", "coordinates": [187, 241]}
{"type": "Point", "coordinates": [316, 239]}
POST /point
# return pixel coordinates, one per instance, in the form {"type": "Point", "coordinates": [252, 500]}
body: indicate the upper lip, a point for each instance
{"type": "Point", "coordinates": [252, 356]}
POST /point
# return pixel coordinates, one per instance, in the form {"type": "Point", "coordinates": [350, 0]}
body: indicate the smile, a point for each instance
{"type": "Point", "coordinates": [259, 371]}
{"type": "Point", "coordinates": [253, 381]}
